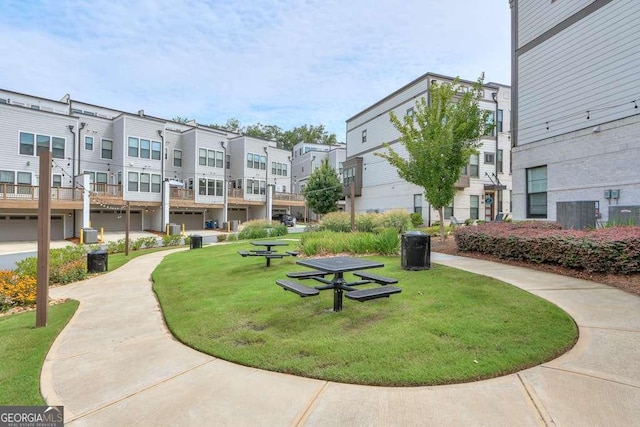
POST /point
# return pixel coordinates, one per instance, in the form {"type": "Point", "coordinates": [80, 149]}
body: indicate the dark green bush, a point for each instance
{"type": "Point", "coordinates": [416, 219]}
{"type": "Point", "coordinates": [259, 229]}
{"type": "Point", "coordinates": [66, 265]}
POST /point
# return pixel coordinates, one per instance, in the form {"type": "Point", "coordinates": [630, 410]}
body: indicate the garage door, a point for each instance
{"type": "Point", "coordinates": [19, 228]}
{"type": "Point", "coordinates": [115, 220]}
{"type": "Point", "coordinates": [191, 220]}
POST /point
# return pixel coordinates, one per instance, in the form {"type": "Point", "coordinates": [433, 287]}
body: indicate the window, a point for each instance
{"type": "Point", "coordinates": [474, 170]}
{"type": "Point", "coordinates": [228, 161]}
{"type": "Point", "coordinates": [101, 177]}
{"type": "Point", "coordinates": [279, 169]}
{"type": "Point", "coordinates": [448, 210]}
{"type": "Point", "coordinates": [489, 158]}
{"type": "Point", "coordinates": [219, 187]}
{"type": "Point", "coordinates": [56, 180]}
{"type": "Point", "coordinates": [145, 181]}
{"type": "Point", "coordinates": [57, 147]}
{"type": "Point", "coordinates": [145, 148]}
{"type": "Point", "coordinates": [250, 160]}
{"type": "Point", "coordinates": [263, 162]}
{"type": "Point", "coordinates": [155, 183]}
{"type": "Point", "coordinates": [92, 176]}
{"type": "Point", "coordinates": [474, 211]}
{"type": "Point", "coordinates": [107, 149]}
{"type": "Point", "coordinates": [263, 186]}
{"type": "Point", "coordinates": [7, 178]}
{"type": "Point", "coordinates": [417, 203]}
{"type": "Point", "coordinates": [24, 180]}
{"type": "Point", "coordinates": [43, 142]}
{"type": "Point", "coordinates": [410, 112]}
{"type": "Point", "coordinates": [364, 136]}
{"type": "Point", "coordinates": [26, 144]}
{"type": "Point", "coordinates": [499, 124]}
{"type": "Point", "coordinates": [219, 159]}
{"type": "Point", "coordinates": [134, 145]}
{"type": "Point", "coordinates": [202, 157]}
{"type": "Point", "coordinates": [202, 187]}
{"type": "Point", "coordinates": [177, 158]}
{"type": "Point", "coordinates": [285, 168]}
{"type": "Point", "coordinates": [489, 123]}
{"type": "Point", "coordinates": [211, 187]}
{"type": "Point", "coordinates": [155, 150]}
{"type": "Point", "coordinates": [499, 160]}
{"type": "Point", "coordinates": [133, 181]}
{"type": "Point", "coordinates": [88, 143]}
{"type": "Point", "coordinates": [273, 168]}
{"type": "Point", "coordinates": [537, 192]}
{"type": "Point", "coordinates": [211, 158]}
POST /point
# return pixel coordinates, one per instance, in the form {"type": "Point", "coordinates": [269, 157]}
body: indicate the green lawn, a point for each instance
{"type": "Point", "coordinates": [447, 326]}
{"type": "Point", "coordinates": [23, 348]}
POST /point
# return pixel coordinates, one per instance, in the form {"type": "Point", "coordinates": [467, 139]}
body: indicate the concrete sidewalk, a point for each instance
{"type": "Point", "coordinates": [117, 364]}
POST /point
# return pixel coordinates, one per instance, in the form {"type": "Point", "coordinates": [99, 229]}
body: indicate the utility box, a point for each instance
{"type": "Point", "coordinates": [416, 251]}
{"type": "Point", "coordinates": [89, 235]}
{"type": "Point", "coordinates": [234, 225]}
{"type": "Point", "coordinates": [576, 215]}
{"type": "Point", "coordinates": [174, 229]}
{"type": "Point", "coordinates": [196, 241]}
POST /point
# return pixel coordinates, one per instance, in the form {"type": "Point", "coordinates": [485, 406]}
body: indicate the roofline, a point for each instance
{"type": "Point", "coordinates": [34, 96]}
{"type": "Point", "coordinates": [413, 82]}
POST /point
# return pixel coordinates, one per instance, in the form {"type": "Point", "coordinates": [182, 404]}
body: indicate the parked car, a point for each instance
{"type": "Point", "coordinates": [285, 219]}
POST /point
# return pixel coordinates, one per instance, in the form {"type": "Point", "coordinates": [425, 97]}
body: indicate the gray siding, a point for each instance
{"type": "Point", "coordinates": [602, 82]}
{"type": "Point", "coordinates": [536, 17]}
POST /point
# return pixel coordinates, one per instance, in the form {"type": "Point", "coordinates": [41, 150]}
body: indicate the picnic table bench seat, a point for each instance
{"type": "Point", "coordinates": [244, 253]}
{"type": "Point", "coordinates": [373, 293]}
{"type": "Point", "coordinates": [306, 274]}
{"type": "Point", "coordinates": [376, 278]}
{"type": "Point", "coordinates": [292, 253]}
{"type": "Point", "coordinates": [298, 288]}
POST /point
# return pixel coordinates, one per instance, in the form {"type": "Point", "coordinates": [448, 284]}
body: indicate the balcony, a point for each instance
{"type": "Point", "coordinates": [288, 197]}
{"type": "Point", "coordinates": [106, 194]}
{"type": "Point", "coordinates": [26, 197]}
{"type": "Point", "coordinates": [462, 182]}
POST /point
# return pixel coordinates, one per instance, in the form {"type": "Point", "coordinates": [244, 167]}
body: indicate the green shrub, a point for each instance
{"type": "Point", "coordinates": [336, 221]}
{"type": "Point", "coordinates": [221, 237]}
{"type": "Point", "coordinates": [149, 242]}
{"type": "Point", "coordinates": [366, 223]}
{"type": "Point", "coordinates": [416, 219]}
{"type": "Point", "coordinates": [398, 219]}
{"type": "Point", "coordinates": [66, 265]}
{"type": "Point", "coordinates": [115, 246]}
{"type": "Point", "coordinates": [172, 240]}
{"type": "Point", "coordinates": [187, 240]}
{"type": "Point", "coordinates": [258, 229]}
{"type": "Point", "coordinates": [136, 244]}
{"type": "Point", "coordinates": [385, 242]}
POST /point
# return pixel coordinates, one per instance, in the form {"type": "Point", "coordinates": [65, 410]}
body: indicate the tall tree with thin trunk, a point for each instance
{"type": "Point", "coordinates": [439, 138]}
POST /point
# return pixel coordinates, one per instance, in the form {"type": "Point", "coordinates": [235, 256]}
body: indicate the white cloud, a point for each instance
{"type": "Point", "coordinates": [280, 62]}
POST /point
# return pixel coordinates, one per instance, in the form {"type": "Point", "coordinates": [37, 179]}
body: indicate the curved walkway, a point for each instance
{"type": "Point", "coordinates": [117, 364]}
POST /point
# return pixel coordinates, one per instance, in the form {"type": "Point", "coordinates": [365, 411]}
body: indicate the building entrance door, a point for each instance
{"type": "Point", "coordinates": [489, 206]}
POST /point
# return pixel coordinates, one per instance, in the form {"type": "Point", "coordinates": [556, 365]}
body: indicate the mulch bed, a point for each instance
{"type": "Point", "coordinates": [628, 283]}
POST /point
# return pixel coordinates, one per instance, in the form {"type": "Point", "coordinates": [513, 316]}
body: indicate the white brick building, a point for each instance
{"type": "Point", "coordinates": [483, 190]}
{"type": "Point", "coordinates": [576, 90]}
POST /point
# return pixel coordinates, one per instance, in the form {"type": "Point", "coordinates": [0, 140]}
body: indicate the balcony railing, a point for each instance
{"type": "Point", "coordinates": [463, 182]}
{"type": "Point", "coordinates": [182, 194]}
{"type": "Point", "coordinates": [289, 197]}
{"type": "Point", "coordinates": [32, 192]}
{"type": "Point", "coordinates": [112, 190]}
{"type": "Point", "coordinates": [235, 193]}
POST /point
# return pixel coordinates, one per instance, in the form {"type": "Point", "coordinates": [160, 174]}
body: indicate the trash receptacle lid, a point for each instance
{"type": "Point", "coordinates": [98, 252]}
{"type": "Point", "coordinates": [415, 233]}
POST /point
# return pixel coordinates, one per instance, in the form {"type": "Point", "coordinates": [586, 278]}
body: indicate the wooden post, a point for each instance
{"type": "Point", "coordinates": [353, 205]}
{"type": "Point", "coordinates": [127, 226]}
{"type": "Point", "coordinates": [44, 235]}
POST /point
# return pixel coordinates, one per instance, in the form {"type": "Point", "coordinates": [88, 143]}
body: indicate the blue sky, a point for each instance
{"type": "Point", "coordinates": [277, 62]}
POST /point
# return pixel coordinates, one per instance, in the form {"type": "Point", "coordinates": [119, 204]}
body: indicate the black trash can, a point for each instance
{"type": "Point", "coordinates": [416, 251]}
{"type": "Point", "coordinates": [196, 241]}
{"type": "Point", "coordinates": [97, 261]}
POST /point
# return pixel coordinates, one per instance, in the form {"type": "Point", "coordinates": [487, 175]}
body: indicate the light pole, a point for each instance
{"type": "Point", "coordinates": [266, 184]}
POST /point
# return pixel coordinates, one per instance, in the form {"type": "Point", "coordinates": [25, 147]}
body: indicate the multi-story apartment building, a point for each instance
{"type": "Point", "coordinates": [483, 189]}
{"type": "Point", "coordinates": [306, 159]}
{"type": "Point", "coordinates": [575, 106]}
{"type": "Point", "coordinates": [105, 159]}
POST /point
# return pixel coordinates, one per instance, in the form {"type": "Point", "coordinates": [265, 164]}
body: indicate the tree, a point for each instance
{"type": "Point", "coordinates": [439, 139]}
{"type": "Point", "coordinates": [306, 133]}
{"type": "Point", "coordinates": [323, 189]}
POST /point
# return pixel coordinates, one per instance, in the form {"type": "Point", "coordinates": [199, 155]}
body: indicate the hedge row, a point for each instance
{"type": "Point", "coordinates": [609, 250]}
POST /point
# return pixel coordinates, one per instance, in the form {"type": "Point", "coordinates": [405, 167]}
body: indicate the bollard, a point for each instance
{"type": "Point", "coordinates": [183, 230]}
{"type": "Point", "coordinates": [81, 237]}
{"type": "Point", "coordinates": [101, 234]}
{"type": "Point", "coordinates": [167, 232]}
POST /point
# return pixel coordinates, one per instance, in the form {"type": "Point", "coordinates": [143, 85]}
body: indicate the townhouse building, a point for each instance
{"type": "Point", "coordinates": [484, 187]}
{"type": "Point", "coordinates": [575, 110]}
{"type": "Point", "coordinates": [105, 160]}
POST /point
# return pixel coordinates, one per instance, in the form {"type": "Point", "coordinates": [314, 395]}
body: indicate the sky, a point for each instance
{"type": "Point", "coordinates": [277, 62]}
